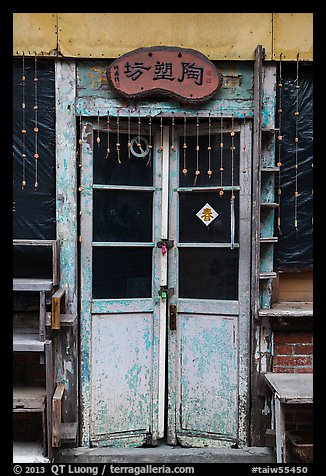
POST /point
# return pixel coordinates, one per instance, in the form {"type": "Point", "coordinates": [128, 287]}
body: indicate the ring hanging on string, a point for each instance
{"type": "Point", "coordinates": [144, 150]}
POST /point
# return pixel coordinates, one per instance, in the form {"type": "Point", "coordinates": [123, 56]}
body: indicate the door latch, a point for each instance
{"type": "Point", "coordinates": [167, 243]}
{"type": "Point", "coordinates": [165, 292]}
{"type": "Point", "coordinates": [173, 317]}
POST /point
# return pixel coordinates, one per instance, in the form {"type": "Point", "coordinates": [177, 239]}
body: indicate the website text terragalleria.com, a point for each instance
{"type": "Point", "coordinates": [58, 469]}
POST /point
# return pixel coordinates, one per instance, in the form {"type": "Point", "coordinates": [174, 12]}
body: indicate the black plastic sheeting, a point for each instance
{"type": "Point", "coordinates": [295, 247]}
{"type": "Point", "coordinates": [34, 211]}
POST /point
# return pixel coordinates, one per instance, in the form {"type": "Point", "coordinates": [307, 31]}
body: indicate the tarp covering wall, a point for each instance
{"type": "Point", "coordinates": [34, 212]}
{"type": "Point", "coordinates": [295, 247]}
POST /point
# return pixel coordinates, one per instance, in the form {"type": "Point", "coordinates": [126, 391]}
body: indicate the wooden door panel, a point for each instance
{"type": "Point", "coordinates": [208, 374]}
{"type": "Point", "coordinates": [121, 372]}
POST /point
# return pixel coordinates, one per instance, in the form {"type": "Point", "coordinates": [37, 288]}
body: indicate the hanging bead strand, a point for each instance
{"type": "Point", "coordinates": [221, 192]}
{"type": "Point", "coordinates": [80, 141]}
{"type": "Point", "coordinates": [184, 170]}
{"type": "Point", "coordinates": [197, 171]}
{"type": "Point", "coordinates": [36, 155]}
{"type": "Point", "coordinates": [161, 129]}
{"type": "Point", "coordinates": [172, 135]}
{"type": "Point", "coordinates": [23, 126]}
{"type": "Point", "coordinates": [296, 141]}
{"type": "Point", "coordinates": [118, 138]}
{"type": "Point", "coordinates": [149, 161]}
{"type": "Point", "coordinates": [98, 139]}
{"type": "Point", "coordinates": [129, 135]}
{"type": "Point", "coordinates": [244, 147]}
{"type": "Point", "coordinates": [209, 148]}
{"type": "Point", "coordinates": [232, 227]}
{"type": "Point", "coordinates": [138, 132]}
{"type": "Point", "coordinates": [279, 146]}
{"type": "Point", "coordinates": [108, 136]}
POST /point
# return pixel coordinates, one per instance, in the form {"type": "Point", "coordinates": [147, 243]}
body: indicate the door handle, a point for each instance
{"type": "Point", "coordinates": [173, 317]}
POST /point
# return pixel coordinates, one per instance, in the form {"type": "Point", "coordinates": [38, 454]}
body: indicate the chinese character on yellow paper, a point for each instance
{"type": "Point", "coordinates": [207, 214]}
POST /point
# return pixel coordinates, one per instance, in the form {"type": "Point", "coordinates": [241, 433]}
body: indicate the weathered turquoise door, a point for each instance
{"type": "Point", "coordinates": [209, 269]}
{"type": "Point", "coordinates": [165, 283]}
{"type": "Point", "coordinates": [121, 222]}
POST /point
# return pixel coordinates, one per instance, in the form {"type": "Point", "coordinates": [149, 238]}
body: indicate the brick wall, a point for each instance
{"type": "Point", "coordinates": [293, 352]}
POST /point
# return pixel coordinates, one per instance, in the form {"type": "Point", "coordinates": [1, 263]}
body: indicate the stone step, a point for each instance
{"type": "Point", "coordinates": [166, 454]}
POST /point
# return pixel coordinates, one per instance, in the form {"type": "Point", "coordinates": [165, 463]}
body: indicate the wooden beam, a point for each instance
{"type": "Point", "coordinates": [57, 402]}
{"type": "Point", "coordinates": [58, 307]}
{"type": "Point", "coordinates": [256, 435]}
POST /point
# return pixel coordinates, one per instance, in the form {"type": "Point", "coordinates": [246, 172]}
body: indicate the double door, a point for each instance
{"type": "Point", "coordinates": [165, 282]}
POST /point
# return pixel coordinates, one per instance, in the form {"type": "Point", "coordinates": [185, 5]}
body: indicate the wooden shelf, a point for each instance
{"type": "Point", "coordinates": [288, 309]}
{"type": "Point", "coordinates": [270, 275]}
{"type": "Point", "coordinates": [66, 320]}
{"type": "Point", "coordinates": [269, 239]}
{"type": "Point", "coordinates": [27, 343]}
{"type": "Point", "coordinates": [270, 169]}
{"type": "Point", "coordinates": [269, 204]}
{"type": "Point", "coordinates": [26, 284]}
{"type": "Point", "coordinates": [26, 399]}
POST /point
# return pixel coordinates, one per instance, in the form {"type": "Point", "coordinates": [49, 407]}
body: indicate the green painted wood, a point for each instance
{"type": "Point", "coordinates": [94, 96]}
{"type": "Point", "coordinates": [66, 221]}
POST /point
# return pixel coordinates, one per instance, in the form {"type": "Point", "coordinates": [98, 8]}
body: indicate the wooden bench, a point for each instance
{"type": "Point", "coordinates": [287, 389]}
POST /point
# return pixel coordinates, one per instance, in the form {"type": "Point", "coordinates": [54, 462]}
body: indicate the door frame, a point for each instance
{"type": "Point", "coordinates": [244, 304]}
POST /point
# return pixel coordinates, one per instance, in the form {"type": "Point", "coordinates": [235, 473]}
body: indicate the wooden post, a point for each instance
{"type": "Point", "coordinates": [58, 307]}
{"type": "Point", "coordinates": [66, 214]}
{"type": "Point", "coordinates": [255, 429]}
{"type": "Point", "coordinates": [57, 405]}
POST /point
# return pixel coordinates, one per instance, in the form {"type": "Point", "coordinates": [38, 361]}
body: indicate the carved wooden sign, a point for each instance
{"type": "Point", "coordinates": [183, 74]}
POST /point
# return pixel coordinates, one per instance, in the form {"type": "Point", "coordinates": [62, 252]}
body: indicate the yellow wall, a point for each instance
{"type": "Point", "coordinates": [220, 36]}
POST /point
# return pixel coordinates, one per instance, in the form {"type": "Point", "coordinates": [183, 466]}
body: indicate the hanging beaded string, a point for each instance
{"type": "Point", "coordinates": [98, 139]}
{"type": "Point", "coordinates": [36, 155]}
{"type": "Point", "coordinates": [23, 126]}
{"type": "Point", "coordinates": [244, 146]}
{"type": "Point", "coordinates": [129, 135]}
{"type": "Point", "coordinates": [209, 148]}
{"type": "Point", "coordinates": [172, 135]}
{"type": "Point", "coordinates": [221, 192]}
{"type": "Point", "coordinates": [197, 171]}
{"type": "Point", "coordinates": [161, 129]}
{"type": "Point", "coordinates": [279, 144]}
{"type": "Point", "coordinates": [138, 132]}
{"type": "Point", "coordinates": [118, 138]}
{"type": "Point", "coordinates": [232, 134]}
{"type": "Point", "coordinates": [108, 136]}
{"type": "Point", "coordinates": [80, 141]}
{"type": "Point", "coordinates": [296, 141]}
{"type": "Point", "coordinates": [184, 170]}
{"type": "Point", "coordinates": [149, 161]}
{"type": "Point", "coordinates": [312, 193]}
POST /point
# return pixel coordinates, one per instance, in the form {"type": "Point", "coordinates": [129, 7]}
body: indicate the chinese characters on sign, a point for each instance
{"type": "Point", "coordinates": [186, 75]}
{"type": "Point", "coordinates": [207, 214]}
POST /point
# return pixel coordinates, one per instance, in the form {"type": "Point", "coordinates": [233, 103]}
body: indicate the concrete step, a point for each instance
{"type": "Point", "coordinates": [166, 454]}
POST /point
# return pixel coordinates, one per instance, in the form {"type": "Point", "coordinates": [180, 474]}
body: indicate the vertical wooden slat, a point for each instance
{"type": "Point", "coordinates": [256, 181]}
{"type": "Point", "coordinates": [66, 216]}
{"type": "Point", "coordinates": [49, 392]}
{"type": "Point", "coordinates": [42, 316]}
{"type": "Point", "coordinates": [57, 404]}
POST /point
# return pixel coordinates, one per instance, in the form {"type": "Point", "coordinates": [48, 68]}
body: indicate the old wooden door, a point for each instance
{"type": "Point", "coordinates": [165, 272]}
{"type": "Point", "coordinates": [209, 269]}
{"type": "Point", "coordinates": [121, 332]}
